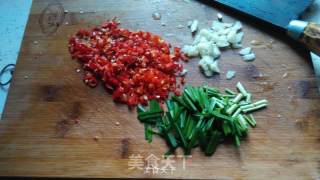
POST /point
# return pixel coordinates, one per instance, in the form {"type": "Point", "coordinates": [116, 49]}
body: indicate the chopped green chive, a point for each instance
{"type": "Point", "coordinates": [250, 120]}
{"type": "Point", "coordinates": [237, 140]}
{"type": "Point", "coordinates": [220, 105]}
{"type": "Point", "coordinates": [172, 140]}
{"type": "Point", "coordinates": [229, 91]}
{"type": "Point", "coordinates": [247, 106]}
{"type": "Point", "coordinates": [212, 104]}
{"type": "Point", "coordinates": [201, 116]}
{"type": "Point", "coordinates": [140, 108]}
{"type": "Point", "coordinates": [213, 143]}
{"type": "Point", "coordinates": [248, 98]}
{"type": "Point", "coordinates": [264, 101]}
{"type": "Point", "coordinates": [237, 98]}
{"type": "Point", "coordinates": [242, 121]}
{"type": "Point", "coordinates": [231, 109]}
{"type": "Point", "coordinates": [254, 108]}
{"type": "Point", "coordinates": [148, 132]}
{"type": "Point", "coordinates": [241, 89]}
{"type": "Point", "coordinates": [236, 113]}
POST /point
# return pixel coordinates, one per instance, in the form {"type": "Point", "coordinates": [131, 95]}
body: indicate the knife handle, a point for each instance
{"type": "Point", "coordinates": [306, 33]}
{"type": "Point", "coordinates": [311, 37]}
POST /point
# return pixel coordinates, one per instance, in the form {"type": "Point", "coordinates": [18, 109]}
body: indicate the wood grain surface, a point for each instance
{"type": "Point", "coordinates": [51, 118]}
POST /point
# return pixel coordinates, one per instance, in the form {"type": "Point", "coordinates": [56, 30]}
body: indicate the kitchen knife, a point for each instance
{"type": "Point", "coordinates": [284, 14]}
{"type": "Point", "coordinates": [313, 14]}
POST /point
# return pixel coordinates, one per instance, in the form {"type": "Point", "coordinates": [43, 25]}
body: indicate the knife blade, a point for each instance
{"type": "Point", "coordinates": [284, 14]}
{"type": "Point", "coordinates": [276, 12]}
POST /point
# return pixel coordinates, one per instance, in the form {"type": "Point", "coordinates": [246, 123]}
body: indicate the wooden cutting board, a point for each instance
{"type": "Point", "coordinates": [39, 135]}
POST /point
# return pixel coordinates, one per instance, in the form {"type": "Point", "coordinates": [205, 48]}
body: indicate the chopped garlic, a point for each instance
{"type": "Point", "coordinates": [215, 52]}
{"type": "Point", "coordinates": [217, 26]}
{"type": "Point", "coordinates": [230, 74]}
{"type": "Point", "coordinates": [224, 31]}
{"type": "Point", "coordinates": [239, 37]}
{"type": "Point", "coordinates": [194, 26]}
{"type": "Point", "coordinates": [219, 16]}
{"type": "Point", "coordinates": [232, 37]}
{"type": "Point", "coordinates": [214, 37]}
{"type": "Point", "coordinates": [285, 75]}
{"type": "Point", "coordinates": [222, 43]}
{"type": "Point", "coordinates": [156, 16]}
{"type": "Point", "coordinates": [209, 66]}
{"type": "Point", "coordinates": [245, 51]}
{"type": "Point", "coordinates": [227, 25]}
{"type": "Point", "coordinates": [214, 67]}
{"type": "Point", "coordinates": [203, 63]}
{"type": "Point", "coordinates": [237, 26]}
{"type": "Point", "coordinates": [196, 40]}
{"type": "Point", "coordinates": [183, 73]}
{"type": "Point", "coordinates": [223, 38]}
{"type": "Point", "coordinates": [204, 48]}
{"type": "Point", "coordinates": [207, 44]}
{"type": "Point", "coordinates": [208, 73]}
{"type": "Point", "coordinates": [205, 33]}
{"type": "Point", "coordinates": [190, 50]}
{"type": "Point", "coordinates": [249, 57]}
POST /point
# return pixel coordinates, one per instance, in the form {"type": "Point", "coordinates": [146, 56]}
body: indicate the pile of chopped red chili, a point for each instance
{"type": "Point", "coordinates": [135, 66]}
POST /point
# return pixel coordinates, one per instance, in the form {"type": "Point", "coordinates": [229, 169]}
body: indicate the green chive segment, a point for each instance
{"type": "Point", "coordinates": [201, 116]}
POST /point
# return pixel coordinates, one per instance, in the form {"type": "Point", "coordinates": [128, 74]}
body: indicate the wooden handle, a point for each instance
{"type": "Point", "coordinates": [311, 37]}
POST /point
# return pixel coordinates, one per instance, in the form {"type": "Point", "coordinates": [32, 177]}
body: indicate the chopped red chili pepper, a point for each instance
{"type": "Point", "coordinates": [136, 66]}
